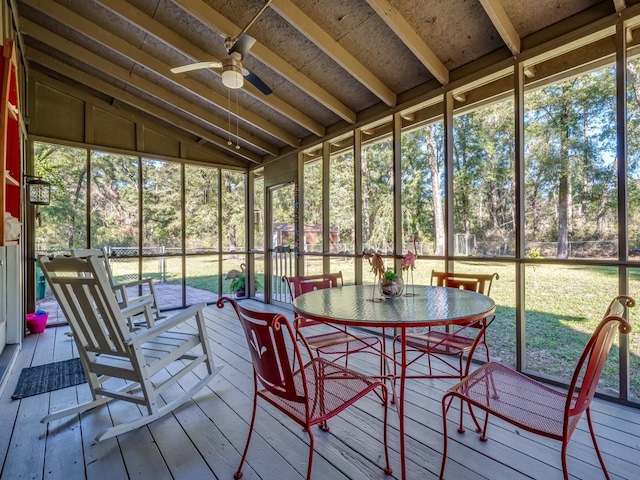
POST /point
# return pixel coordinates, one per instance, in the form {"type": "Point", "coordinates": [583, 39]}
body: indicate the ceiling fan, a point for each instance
{"type": "Point", "coordinates": [233, 73]}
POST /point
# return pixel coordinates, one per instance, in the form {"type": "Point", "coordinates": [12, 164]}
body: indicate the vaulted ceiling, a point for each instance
{"type": "Point", "coordinates": [329, 63]}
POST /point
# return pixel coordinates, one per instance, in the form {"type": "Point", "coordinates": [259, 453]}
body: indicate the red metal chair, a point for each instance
{"type": "Point", "coordinates": [533, 406]}
{"type": "Point", "coordinates": [459, 344]}
{"type": "Point", "coordinates": [310, 395]}
{"type": "Point", "coordinates": [338, 342]}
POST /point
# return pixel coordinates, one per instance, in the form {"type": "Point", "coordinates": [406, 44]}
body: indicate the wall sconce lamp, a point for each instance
{"type": "Point", "coordinates": [38, 191]}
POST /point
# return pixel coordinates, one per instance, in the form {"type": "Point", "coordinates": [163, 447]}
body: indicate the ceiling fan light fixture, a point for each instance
{"type": "Point", "coordinates": [232, 77]}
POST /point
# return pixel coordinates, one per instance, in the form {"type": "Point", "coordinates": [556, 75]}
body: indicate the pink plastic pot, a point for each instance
{"type": "Point", "coordinates": [37, 323]}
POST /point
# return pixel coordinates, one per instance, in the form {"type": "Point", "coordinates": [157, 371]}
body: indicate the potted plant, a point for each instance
{"type": "Point", "coordinates": [238, 284]}
{"type": "Point", "coordinates": [391, 284]}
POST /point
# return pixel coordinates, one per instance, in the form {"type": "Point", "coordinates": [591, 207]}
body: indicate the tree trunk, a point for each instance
{"type": "Point", "coordinates": [563, 217]}
{"type": "Point", "coordinates": [604, 197]}
{"type": "Point", "coordinates": [72, 220]}
{"type": "Point", "coordinates": [436, 197]}
{"type": "Point", "coordinates": [564, 188]}
{"type": "Point", "coordinates": [586, 182]}
{"type": "Point", "coordinates": [366, 218]}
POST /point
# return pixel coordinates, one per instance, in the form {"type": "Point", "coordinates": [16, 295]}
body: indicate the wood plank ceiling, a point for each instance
{"type": "Point", "coordinates": [330, 63]}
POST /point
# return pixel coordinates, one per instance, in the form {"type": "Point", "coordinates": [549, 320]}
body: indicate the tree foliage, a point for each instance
{"type": "Point", "coordinates": [62, 224]}
{"type": "Point", "coordinates": [570, 185]}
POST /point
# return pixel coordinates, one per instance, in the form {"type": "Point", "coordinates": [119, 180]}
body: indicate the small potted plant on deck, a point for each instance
{"type": "Point", "coordinates": [238, 285]}
{"type": "Point", "coordinates": [238, 282]}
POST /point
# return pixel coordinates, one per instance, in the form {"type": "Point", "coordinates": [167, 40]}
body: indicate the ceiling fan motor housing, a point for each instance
{"type": "Point", "coordinates": [232, 72]}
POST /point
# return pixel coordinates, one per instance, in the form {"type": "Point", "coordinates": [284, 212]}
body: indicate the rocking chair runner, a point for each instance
{"type": "Point", "coordinates": [310, 395]}
{"type": "Point", "coordinates": [339, 342]}
{"type": "Point", "coordinates": [534, 407]}
{"type": "Point", "coordinates": [109, 350]}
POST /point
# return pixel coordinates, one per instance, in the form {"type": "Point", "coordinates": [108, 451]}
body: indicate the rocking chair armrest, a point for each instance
{"type": "Point", "coordinates": [136, 308]}
{"type": "Point", "coordinates": [140, 307]}
{"type": "Point", "coordinates": [147, 334]}
{"type": "Point", "coordinates": [136, 283]}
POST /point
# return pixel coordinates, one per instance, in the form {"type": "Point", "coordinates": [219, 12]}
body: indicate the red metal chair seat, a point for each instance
{"type": "Point", "coordinates": [516, 398]}
{"type": "Point", "coordinates": [439, 342]}
{"type": "Point", "coordinates": [340, 342]}
{"type": "Point", "coordinates": [533, 406]}
{"type": "Point", "coordinates": [331, 388]}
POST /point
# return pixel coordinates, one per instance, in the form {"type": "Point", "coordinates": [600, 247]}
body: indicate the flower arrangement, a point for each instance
{"type": "Point", "coordinates": [409, 260]}
{"type": "Point", "coordinates": [409, 264]}
{"type": "Point", "coordinates": [390, 282]}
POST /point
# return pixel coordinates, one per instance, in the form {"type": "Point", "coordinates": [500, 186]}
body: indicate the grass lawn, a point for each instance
{"type": "Point", "coordinates": [564, 303]}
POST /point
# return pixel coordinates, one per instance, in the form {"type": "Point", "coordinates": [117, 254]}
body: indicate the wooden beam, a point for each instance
{"type": "Point", "coordinates": [121, 96]}
{"type": "Point", "coordinates": [173, 40]}
{"type": "Point", "coordinates": [208, 16]}
{"type": "Point", "coordinates": [84, 26]}
{"type": "Point", "coordinates": [619, 5]}
{"type": "Point", "coordinates": [123, 75]}
{"type": "Point", "coordinates": [503, 24]}
{"type": "Point", "coordinates": [298, 19]}
{"type": "Point", "coordinates": [410, 38]}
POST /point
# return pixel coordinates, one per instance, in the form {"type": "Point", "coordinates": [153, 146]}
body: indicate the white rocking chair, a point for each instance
{"type": "Point", "coordinates": [109, 349]}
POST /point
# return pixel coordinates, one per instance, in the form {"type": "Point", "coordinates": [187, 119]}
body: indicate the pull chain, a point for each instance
{"type": "Point", "coordinates": [237, 127]}
{"type": "Point", "coordinates": [229, 142]}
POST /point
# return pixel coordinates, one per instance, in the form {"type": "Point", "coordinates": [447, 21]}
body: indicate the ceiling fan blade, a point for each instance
{"type": "Point", "coordinates": [243, 44]}
{"type": "Point", "coordinates": [257, 82]}
{"type": "Point", "coordinates": [196, 66]}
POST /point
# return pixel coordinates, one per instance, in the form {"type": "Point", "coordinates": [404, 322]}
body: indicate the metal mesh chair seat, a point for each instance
{"type": "Point", "coordinates": [340, 342]}
{"type": "Point", "coordinates": [331, 388]}
{"type": "Point", "coordinates": [510, 395]}
{"type": "Point", "coordinates": [439, 342]}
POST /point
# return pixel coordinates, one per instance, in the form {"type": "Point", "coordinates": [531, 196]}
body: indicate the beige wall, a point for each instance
{"type": "Point", "coordinates": [60, 113]}
{"type": "Point", "coordinates": [282, 171]}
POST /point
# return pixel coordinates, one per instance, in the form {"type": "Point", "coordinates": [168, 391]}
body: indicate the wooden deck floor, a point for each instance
{"type": "Point", "coordinates": [204, 438]}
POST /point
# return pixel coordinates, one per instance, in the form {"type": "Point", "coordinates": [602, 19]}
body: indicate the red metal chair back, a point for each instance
{"type": "Point", "coordinates": [593, 358]}
{"type": "Point", "coordinates": [479, 283]}
{"type": "Point", "coordinates": [308, 283]}
{"type": "Point", "coordinates": [265, 334]}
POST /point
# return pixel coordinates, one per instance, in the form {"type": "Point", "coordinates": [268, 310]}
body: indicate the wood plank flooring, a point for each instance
{"type": "Point", "coordinates": [204, 438]}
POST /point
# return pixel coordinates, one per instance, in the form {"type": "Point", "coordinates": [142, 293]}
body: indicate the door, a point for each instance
{"type": "Point", "coordinates": [283, 238]}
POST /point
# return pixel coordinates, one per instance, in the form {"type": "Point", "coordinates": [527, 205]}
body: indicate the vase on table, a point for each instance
{"type": "Point", "coordinates": [391, 288]}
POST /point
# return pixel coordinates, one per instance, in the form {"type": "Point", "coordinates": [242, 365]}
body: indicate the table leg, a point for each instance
{"type": "Point", "coordinates": [400, 402]}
